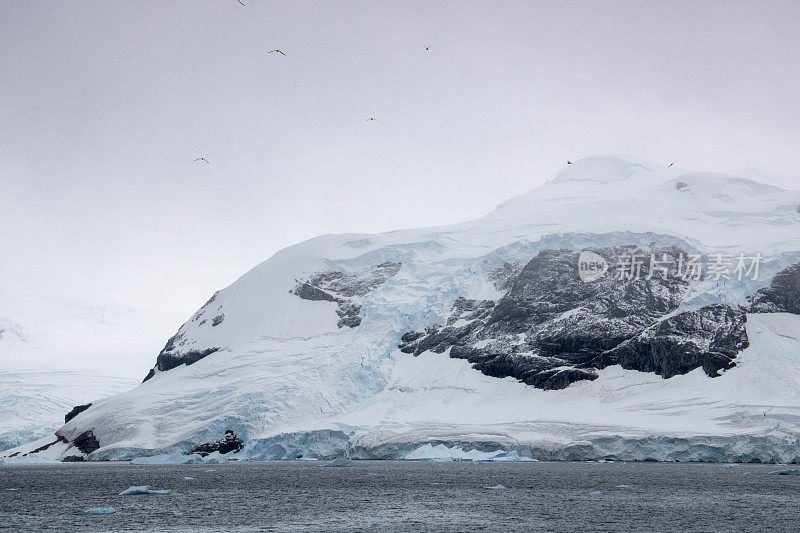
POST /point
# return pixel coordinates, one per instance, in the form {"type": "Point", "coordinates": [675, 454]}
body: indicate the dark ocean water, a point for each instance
{"type": "Point", "coordinates": [412, 496]}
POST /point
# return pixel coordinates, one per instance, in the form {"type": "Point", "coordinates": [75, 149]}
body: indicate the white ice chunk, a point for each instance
{"type": "Point", "coordinates": [340, 461]}
{"type": "Point", "coordinates": [785, 473]}
{"type": "Point", "coordinates": [142, 489]}
{"type": "Point", "coordinates": [100, 510]}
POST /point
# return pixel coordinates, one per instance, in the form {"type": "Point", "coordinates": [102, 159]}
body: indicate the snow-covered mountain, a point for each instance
{"type": "Point", "coordinates": [677, 338]}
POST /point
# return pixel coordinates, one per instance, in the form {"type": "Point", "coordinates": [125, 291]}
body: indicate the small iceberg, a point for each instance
{"type": "Point", "coordinates": [596, 493]}
{"type": "Point", "coordinates": [168, 459]}
{"type": "Point", "coordinates": [622, 486]}
{"type": "Point", "coordinates": [187, 478]}
{"type": "Point", "coordinates": [340, 461]}
{"type": "Point", "coordinates": [177, 513]}
{"type": "Point", "coordinates": [496, 487]}
{"type": "Point", "coordinates": [785, 473]}
{"type": "Point", "coordinates": [142, 489]}
{"type": "Point", "coordinates": [100, 510]}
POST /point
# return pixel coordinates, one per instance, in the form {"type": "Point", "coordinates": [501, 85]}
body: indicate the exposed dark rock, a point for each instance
{"type": "Point", "coordinates": [149, 375]}
{"type": "Point", "coordinates": [217, 320]}
{"type": "Point", "coordinates": [171, 356]}
{"type": "Point", "coordinates": [167, 361]}
{"type": "Point", "coordinates": [346, 291]}
{"type": "Point", "coordinates": [782, 295]}
{"type": "Point", "coordinates": [709, 337]}
{"type": "Point", "coordinates": [73, 459]}
{"type": "Point", "coordinates": [78, 409]}
{"type": "Point", "coordinates": [349, 315]}
{"type": "Point", "coordinates": [503, 277]}
{"type": "Point", "coordinates": [229, 443]}
{"type": "Point", "coordinates": [46, 446]}
{"type": "Point", "coordinates": [86, 442]}
{"type": "Point", "coordinates": [552, 329]}
{"type": "Point", "coordinates": [306, 291]}
{"type": "Point", "coordinates": [681, 185]}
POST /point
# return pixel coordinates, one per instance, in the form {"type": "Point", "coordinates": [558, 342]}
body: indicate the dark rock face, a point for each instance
{"type": "Point", "coordinates": [73, 459]}
{"type": "Point", "coordinates": [86, 442]}
{"type": "Point", "coordinates": [346, 291]}
{"type": "Point", "coordinates": [174, 353]}
{"type": "Point", "coordinates": [171, 356]}
{"type": "Point", "coordinates": [229, 443]}
{"type": "Point", "coordinates": [710, 338]}
{"type": "Point", "coordinates": [782, 295]}
{"type": "Point", "coordinates": [78, 409]}
{"type": "Point", "coordinates": [552, 329]}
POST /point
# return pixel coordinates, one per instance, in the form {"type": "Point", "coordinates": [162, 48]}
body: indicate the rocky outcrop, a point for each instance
{"type": "Point", "coordinates": [171, 355]}
{"type": "Point", "coordinates": [346, 291]}
{"type": "Point", "coordinates": [227, 444]}
{"type": "Point", "coordinates": [86, 442]}
{"type": "Point", "coordinates": [78, 409]}
{"type": "Point", "coordinates": [709, 337]}
{"type": "Point", "coordinates": [552, 329]}
{"type": "Point", "coordinates": [782, 295]}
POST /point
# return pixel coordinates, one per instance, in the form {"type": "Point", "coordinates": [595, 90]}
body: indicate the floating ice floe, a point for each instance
{"type": "Point", "coordinates": [785, 473]}
{"type": "Point", "coordinates": [596, 493]}
{"type": "Point", "coordinates": [340, 461]}
{"type": "Point", "coordinates": [622, 486]}
{"type": "Point", "coordinates": [168, 459]}
{"type": "Point", "coordinates": [187, 478]}
{"type": "Point", "coordinates": [496, 487]}
{"type": "Point", "coordinates": [100, 510]}
{"type": "Point", "coordinates": [142, 489]}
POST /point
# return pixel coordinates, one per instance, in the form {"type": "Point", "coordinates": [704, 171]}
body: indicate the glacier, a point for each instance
{"type": "Point", "coordinates": [300, 358]}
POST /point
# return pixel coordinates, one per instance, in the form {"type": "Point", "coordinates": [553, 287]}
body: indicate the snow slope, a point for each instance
{"type": "Point", "coordinates": [270, 360]}
{"type": "Point", "coordinates": [33, 402]}
{"type": "Point", "coordinates": [47, 354]}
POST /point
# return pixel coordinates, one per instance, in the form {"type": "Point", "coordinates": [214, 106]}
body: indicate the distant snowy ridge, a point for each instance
{"type": "Point", "coordinates": [480, 340]}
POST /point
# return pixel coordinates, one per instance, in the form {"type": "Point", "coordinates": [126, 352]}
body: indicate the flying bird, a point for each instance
{"type": "Point", "coordinates": [240, 1]}
{"type": "Point", "coordinates": [671, 164]}
{"type": "Point", "coordinates": [370, 118]}
{"type": "Point", "coordinates": [427, 48]}
{"type": "Point", "coordinates": [203, 159]}
{"type": "Point", "coordinates": [569, 162]}
{"type": "Point", "coordinates": [276, 50]}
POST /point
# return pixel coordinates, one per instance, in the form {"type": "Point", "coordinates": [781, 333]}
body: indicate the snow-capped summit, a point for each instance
{"type": "Point", "coordinates": [485, 337]}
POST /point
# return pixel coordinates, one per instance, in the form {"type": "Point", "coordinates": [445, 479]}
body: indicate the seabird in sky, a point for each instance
{"type": "Point", "coordinates": [276, 50]}
{"type": "Point", "coordinates": [202, 159]}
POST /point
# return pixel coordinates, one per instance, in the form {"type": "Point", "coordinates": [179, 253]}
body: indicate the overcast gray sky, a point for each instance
{"type": "Point", "coordinates": [104, 105]}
